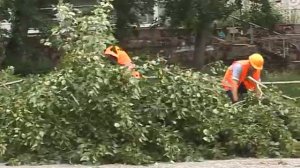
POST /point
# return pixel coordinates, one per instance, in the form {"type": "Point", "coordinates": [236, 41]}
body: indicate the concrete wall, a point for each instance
{"type": "Point", "coordinates": [288, 28]}
{"type": "Point", "coordinates": [157, 37]}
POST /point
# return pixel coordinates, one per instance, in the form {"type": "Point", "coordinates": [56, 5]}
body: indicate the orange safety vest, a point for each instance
{"type": "Point", "coordinates": [122, 58]}
{"type": "Point", "coordinates": [228, 82]}
{"type": "Point", "coordinates": [120, 54]}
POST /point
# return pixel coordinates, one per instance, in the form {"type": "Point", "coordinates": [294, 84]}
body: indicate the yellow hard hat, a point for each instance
{"type": "Point", "coordinates": [256, 61]}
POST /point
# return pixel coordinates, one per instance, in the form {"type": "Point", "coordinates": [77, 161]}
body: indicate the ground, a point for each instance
{"type": "Point", "coordinates": [235, 163]}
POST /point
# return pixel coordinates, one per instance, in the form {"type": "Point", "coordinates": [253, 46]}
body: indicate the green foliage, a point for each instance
{"type": "Point", "coordinates": [82, 36]}
{"type": "Point", "coordinates": [195, 14]}
{"type": "Point", "coordinates": [91, 112]}
{"type": "Point", "coordinates": [20, 51]}
{"type": "Point", "coordinates": [292, 90]}
{"type": "Point", "coordinates": [96, 113]}
{"type": "Point", "coordinates": [198, 17]}
{"type": "Point", "coordinates": [217, 68]}
{"type": "Point", "coordinates": [127, 14]}
{"type": "Point", "coordinates": [262, 13]}
{"type": "Point", "coordinates": [262, 18]}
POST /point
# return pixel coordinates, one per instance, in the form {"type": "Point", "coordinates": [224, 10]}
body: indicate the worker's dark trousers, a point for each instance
{"type": "Point", "coordinates": [241, 91]}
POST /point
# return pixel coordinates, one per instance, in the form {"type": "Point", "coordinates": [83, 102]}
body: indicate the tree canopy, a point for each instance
{"type": "Point", "coordinates": [128, 12]}
{"type": "Point", "coordinates": [197, 15]}
{"type": "Point", "coordinates": [262, 13]}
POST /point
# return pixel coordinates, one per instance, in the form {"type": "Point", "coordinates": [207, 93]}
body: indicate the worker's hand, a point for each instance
{"type": "Point", "coordinates": [131, 66]}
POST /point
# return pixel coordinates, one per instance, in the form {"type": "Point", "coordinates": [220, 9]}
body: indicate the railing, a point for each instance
{"type": "Point", "coordinates": [284, 40]}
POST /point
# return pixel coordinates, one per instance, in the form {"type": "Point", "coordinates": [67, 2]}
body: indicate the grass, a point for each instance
{"type": "Point", "coordinates": [292, 90]}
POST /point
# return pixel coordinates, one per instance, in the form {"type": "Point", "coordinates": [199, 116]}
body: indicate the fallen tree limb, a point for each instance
{"type": "Point", "coordinates": [11, 83]}
{"type": "Point", "coordinates": [288, 97]}
{"type": "Point", "coordinates": [76, 101]}
{"type": "Point", "coordinates": [281, 82]}
{"type": "Point", "coordinates": [257, 82]}
{"type": "Point", "coordinates": [263, 85]}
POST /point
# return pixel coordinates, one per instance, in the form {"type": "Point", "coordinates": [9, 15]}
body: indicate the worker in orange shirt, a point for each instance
{"type": "Point", "coordinates": [236, 81]}
{"type": "Point", "coordinates": [118, 56]}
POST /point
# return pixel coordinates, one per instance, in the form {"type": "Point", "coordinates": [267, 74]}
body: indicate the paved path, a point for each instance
{"type": "Point", "coordinates": [235, 163]}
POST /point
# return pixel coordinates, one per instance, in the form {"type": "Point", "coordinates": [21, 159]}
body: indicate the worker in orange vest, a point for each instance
{"type": "Point", "coordinates": [118, 56]}
{"type": "Point", "coordinates": [236, 81]}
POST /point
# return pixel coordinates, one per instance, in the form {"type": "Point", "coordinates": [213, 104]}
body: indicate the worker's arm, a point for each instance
{"type": "Point", "coordinates": [235, 91]}
{"type": "Point", "coordinates": [236, 73]}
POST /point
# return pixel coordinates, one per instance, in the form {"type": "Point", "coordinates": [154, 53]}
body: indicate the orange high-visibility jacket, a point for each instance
{"type": "Point", "coordinates": [120, 54]}
{"type": "Point", "coordinates": [122, 58]}
{"type": "Point", "coordinates": [228, 82]}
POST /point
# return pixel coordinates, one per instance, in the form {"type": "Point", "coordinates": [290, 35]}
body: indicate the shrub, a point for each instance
{"type": "Point", "coordinates": [96, 113]}
{"type": "Point", "coordinates": [89, 111]}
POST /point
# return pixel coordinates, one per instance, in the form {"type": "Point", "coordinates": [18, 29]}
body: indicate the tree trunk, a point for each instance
{"type": "Point", "coordinates": [200, 45]}
{"type": "Point", "coordinates": [17, 47]}
{"type": "Point", "coordinates": [124, 18]}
